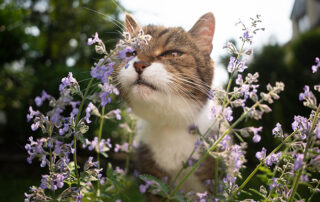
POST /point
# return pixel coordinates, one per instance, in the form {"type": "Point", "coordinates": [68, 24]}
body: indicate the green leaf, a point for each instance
{"type": "Point", "coordinates": [163, 187]}
{"type": "Point", "coordinates": [81, 138]}
{"type": "Point", "coordinates": [104, 154]}
{"type": "Point", "coordinates": [257, 193]}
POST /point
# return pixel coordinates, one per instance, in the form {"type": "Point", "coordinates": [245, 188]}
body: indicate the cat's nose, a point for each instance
{"type": "Point", "coordinates": [140, 66]}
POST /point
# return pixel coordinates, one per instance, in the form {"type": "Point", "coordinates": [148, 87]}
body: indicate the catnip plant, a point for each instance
{"type": "Point", "coordinates": [294, 161]}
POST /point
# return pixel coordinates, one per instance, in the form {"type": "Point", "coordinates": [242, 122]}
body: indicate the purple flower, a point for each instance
{"type": "Point", "coordinates": [56, 115]}
{"type": "Point", "coordinates": [229, 180]}
{"type": "Point", "coordinates": [202, 196]}
{"type": "Point", "coordinates": [277, 130]}
{"type": "Point", "coordinates": [143, 188]}
{"type": "Point", "coordinates": [298, 161]}
{"type": "Point", "coordinates": [191, 161]}
{"type": "Point", "coordinates": [43, 161]}
{"type": "Point", "coordinates": [53, 186]}
{"type": "Point", "coordinates": [260, 155]}
{"type": "Point", "coordinates": [242, 65]}
{"type": "Point", "coordinates": [36, 124]}
{"type": "Point", "coordinates": [117, 148]}
{"type": "Point", "coordinates": [107, 89]}
{"type": "Point", "coordinates": [60, 180]}
{"type": "Point", "coordinates": [227, 112]}
{"type": "Point", "coordinates": [64, 129]}
{"type": "Point", "coordinates": [273, 158]}
{"type": "Point", "coordinates": [305, 94]}
{"type": "Point", "coordinates": [224, 142]}
{"type": "Point", "coordinates": [32, 114]}
{"type": "Point", "coordinates": [117, 113]}
{"type": "Point", "coordinates": [123, 53]}
{"type": "Point", "coordinates": [302, 124]}
{"type": "Point", "coordinates": [94, 39]}
{"type": "Point", "coordinates": [315, 67]}
{"type": "Point", "coordinates": [247, 36]}
{"type": "Point", "coordinates": [67, 81]}
{"type": "Point", "coordinates": [125, 147]}
{"type": "Point", "coordinates": [102, 71]}
{"type": "Point", "coordinates": [88, 112]}
{"type": "Point", "coordinates": [231, 64]}
{"type": "Point", "coordinates": [256, 137]}
{"type": "Point", "coordinates": [214, 111]}
{"type": "Point", "coordinates": [104, 98]}
{"type": "Point", "coordinates": [197, 144]}
{"type": "Point", "coordinates": [75, 110]}
{"type": "Point", "coordinates": [39, 100]}
{"type": "Point", "coordinates": [44, 181]}
{"type": "Point", "coordinates": [239, 79]}
{"type": "Point", "coordinates": [274, 184]}
{"type": "Point", "coordinates": [237, 156]}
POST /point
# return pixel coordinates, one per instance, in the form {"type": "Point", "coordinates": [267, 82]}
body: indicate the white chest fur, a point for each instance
{"type": "Point", "coordinates": [172, 145]}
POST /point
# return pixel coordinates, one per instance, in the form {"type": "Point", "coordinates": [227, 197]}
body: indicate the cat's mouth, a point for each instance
{"type": "Point", "coordinates": [141, 82]}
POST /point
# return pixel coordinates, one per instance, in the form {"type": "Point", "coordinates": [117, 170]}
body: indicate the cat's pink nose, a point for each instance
{"type": "Point", "coordinates": [140, 66]}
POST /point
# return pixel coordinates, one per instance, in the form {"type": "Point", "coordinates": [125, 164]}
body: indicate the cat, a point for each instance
{"type": "Point", "coordinates": [167, 86]}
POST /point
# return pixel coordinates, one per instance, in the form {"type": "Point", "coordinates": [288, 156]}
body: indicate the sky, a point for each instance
{"type": "Point", "coordinates": [184, 13]}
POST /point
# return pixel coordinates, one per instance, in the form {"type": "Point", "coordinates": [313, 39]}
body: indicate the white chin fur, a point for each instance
{"type": "Point", "coordinates": [161, 106]}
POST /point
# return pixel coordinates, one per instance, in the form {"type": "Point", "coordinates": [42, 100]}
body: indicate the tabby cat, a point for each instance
{"type": "Point", "coordinates": [167, 85]}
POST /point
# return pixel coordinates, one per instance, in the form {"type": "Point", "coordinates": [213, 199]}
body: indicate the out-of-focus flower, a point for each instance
{"type": "Point", "coordinates": [256, 137]}
{"type": "Point", "coordinates": [260, 155]}
{"type": "Point", "coordinates": [316, 66]}
{"type": "Point", "coordinates": [298, 162]}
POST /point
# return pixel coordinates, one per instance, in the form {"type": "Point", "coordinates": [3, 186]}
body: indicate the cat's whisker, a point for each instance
{"type": "Point", "coordinates": [192, 85]}
{"type": "Point", "coordinates": [113, 20]}
{"type": "Point", "coordinates": [118, 6]}
{"type": "Point", "coordinates": [178, 92]}
{"type": "Point", "coordinates": [202, 83]}
{"type": "Point", "coordinates": [191, 96]}
{"type": "Point", "coordinates": [83, 80]}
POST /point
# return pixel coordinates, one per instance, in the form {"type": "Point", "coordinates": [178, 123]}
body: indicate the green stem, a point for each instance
{"type": "Point", "coordinates": [314, 192]}
{"type": "Point", "coordinates": [50, 156]}
{"type": "Point", "coordinates": [75, 137]}
{"type": "Point", "coordinates": [181, 169]}
{"type": "Point", "coordinates": [231, 78]}
{"type": "Point", "coordinates": [213, 147]}
{"type": "Point", "coordinates": [273, 175]}
{"type": "Point", "coordinates": [130, 141]}
{"type": "Point", "coordinates": [261, 163]}
{"type": "Point", "coordinates": [305, 153]}
{"type": "Point", "coordinates": [98, 152]}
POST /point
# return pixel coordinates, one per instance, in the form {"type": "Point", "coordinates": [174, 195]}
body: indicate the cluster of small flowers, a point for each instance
{"type": "Point", "coordinates": [55, 149]}
{"type": "Point", "coordinates": [306, 130]}
{"type": "Point", "coordinates": [302, 152]}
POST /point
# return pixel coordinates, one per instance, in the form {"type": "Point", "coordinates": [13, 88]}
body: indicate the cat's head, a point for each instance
{"type": "Point", "coordinates": [170, 78]}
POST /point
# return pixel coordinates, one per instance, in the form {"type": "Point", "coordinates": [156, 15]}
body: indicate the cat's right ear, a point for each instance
{"type": "Point", "coordinates": [203, 32]}
{"type": "Point", "coordinates": [130, 24]}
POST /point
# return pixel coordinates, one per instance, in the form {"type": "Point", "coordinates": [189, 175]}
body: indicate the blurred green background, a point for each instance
{"type": "Point", "coordinates": [42, 40]}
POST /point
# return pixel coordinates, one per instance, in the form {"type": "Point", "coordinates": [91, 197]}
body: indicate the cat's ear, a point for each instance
{"type": "Point", "coordinates": [203, 31]}
{"type": "Point", "coordinates": [130, 24]}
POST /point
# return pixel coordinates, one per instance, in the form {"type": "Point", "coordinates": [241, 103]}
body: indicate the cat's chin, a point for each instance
{"type": "Point", "coordinates": [142, 90]}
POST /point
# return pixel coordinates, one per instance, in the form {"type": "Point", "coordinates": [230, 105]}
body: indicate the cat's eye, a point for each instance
{"type": "Point", "coordinates": [130, 54]}
{"type": "Point", "coordinates": [171, 53]}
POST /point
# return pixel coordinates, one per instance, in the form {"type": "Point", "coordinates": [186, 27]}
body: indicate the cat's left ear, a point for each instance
{"type": "Point", "coordinates": [203, 32]}
{"type": "Point", "coordinates": [130, 24]}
